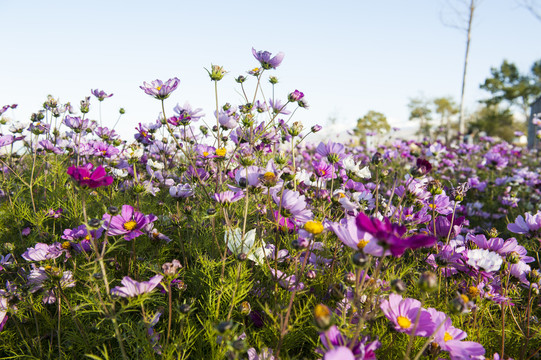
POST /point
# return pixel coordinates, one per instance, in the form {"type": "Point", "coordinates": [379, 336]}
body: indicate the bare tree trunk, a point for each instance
{"type": "Point", "coordinates": [461, 124]}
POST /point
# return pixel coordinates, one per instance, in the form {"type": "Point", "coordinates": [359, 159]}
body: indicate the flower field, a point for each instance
{"type": "Point", "coordinates": [233, 235]}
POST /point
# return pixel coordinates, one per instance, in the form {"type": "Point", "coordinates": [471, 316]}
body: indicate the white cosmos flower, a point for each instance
{"type": "Point", "coordinates": [349, 165]}
{"type": "Point", "coordinates": [255, 251]}
{"type": "Point", "coordinates": [156, 165]}
{"type": "Point", "coordinates": [484, 259]}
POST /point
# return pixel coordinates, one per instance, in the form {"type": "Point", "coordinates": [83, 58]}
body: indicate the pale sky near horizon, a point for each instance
{"type": "Point", "coordinates": [348, 57]}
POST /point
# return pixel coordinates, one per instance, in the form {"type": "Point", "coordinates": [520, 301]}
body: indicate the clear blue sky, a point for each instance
{"type": "Point", "coordinates": [348, 57]}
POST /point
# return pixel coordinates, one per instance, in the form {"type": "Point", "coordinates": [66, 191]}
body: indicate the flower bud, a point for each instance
{"type": "Point", "coordinates": [240, 79]}
{"type": "Point", "coordinates": [295, 129]}
{"type": "Point", "coordinates": [224, 326]}
{"type": "Point", "coordinates": [113, 210]}
{"type": "Point", "coordinates": [185, 308]}
{"type": "Point", "coordinates": [350, 278]}
{"type": "Point", "coordinates": [316, 128]}
{"type": "Point", "coordinates": [359, 259]}
{"type": "Point", "coordinates": [398, 286]}
{"type": "Point", "coordinates": [94, 223]}
{"type": "Point", "coordinates": [242, 257]}
{"type": "Point", "coordinates": [273, 80]}
{"type": "Point", "coordinates": [322, 316]}
{"type": "Point", "coordinates": [428, 281]}
{"type": "Point", "coordinates": [211, 211]}
{"type": "Point", "coordinates": [376, 158]}
{"type": "Point", "coordinates": [122, 111]}
{"type": "Point", "coordinates": [216, 73]}
{"type": "Point", "coordinates": [311, 274]}
{"type": "Point", "coordinates": [245, 308]}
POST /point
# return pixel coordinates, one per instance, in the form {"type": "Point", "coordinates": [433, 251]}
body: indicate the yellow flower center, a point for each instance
{"type": "Point", "coordinates": [66, 245]}
{"type": "Point", "coordinates": [341, 195]}
{"type": "Point", "coordinates": [314, 227]}
{"type": "Point", "coordinates": [269, 176]}
{"type": "Point", "coordinates": [48, 267]}
{"type": "Point", "coordinates": [255, 69]}
{"type": "Point", "coordinates": [158, 88]}
{"type": "Point", "coordinates": [88, 237]}
{"type": "Point", "coordinates": [205, 154]}
{"type": "Point", "coordinates": [86, 178]}
{"type": "Point", "coordinates": [447, 337]}
{"type": "Point", "coordinates": [322, 172]}
{"type": "Point", "coordinates": [465, 298]}
{"type": "Point", "coordinates": [403, 322]}
{"type": "Point", "coordinates": [144, 133]}
{"type": "Point", "coordinates": [473, 291]}
{"type": "Point", "coordinates": [432, 206]}
{"type": "Point", "coordinates": [130, 225]}
{"type": "Point", "coordinates": [221, 151]}
{"type": "Point", "coordinates": [362, 243]}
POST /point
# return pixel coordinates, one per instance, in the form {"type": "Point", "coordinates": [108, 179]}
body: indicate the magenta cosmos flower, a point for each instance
{"type": "Point", "coordinates": [339, 347]}
{"type": "Point", "coordinates": [403, 313]}
{"type": "Point", "coordinates": [129, 223]}
{"type": "Point", "coordinates": [391, 236]}
{"type": "Point", "coordinates": [159, 89]}
{"type": "Point", "coordinates": [350, 235]}
{"type": "Point", "coordinates": [85, 177]}
{"type": "Point", "coordinates": [134, 288]}
{"type": "Point", "coordinates": [264, 58]}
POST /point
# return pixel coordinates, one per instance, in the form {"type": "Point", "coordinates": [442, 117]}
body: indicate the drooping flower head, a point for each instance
{"type": "Point", "coordinates": [85, 177]}
{"type": "Point", "coordinates": [129, 223]}
{"type": "Point", "coordinates": [264, 57]}
{"type": "Point", "coordinates": [160, 90]}
{"type": "Point", "coordinates": [100, 94]}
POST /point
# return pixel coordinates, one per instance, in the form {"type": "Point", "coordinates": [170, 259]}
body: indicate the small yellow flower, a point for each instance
{"type": "Point", "coordinates": [66, 245]}
{"type": "Point", "coordinates": [314, 227]}
{"type": "Point", "coordinates": [221, 152]}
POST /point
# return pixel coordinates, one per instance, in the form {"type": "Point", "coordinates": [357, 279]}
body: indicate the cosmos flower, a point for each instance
{"type": "Point", "coordinates": [532, 223]}
{"type": "Point", "coordinates": [181, 191]}
{"type": "Point", "coordinates": [403, 313]}
{"type": "Point", "coordinates": [42, 252]}
{"type": "Point", "coordinates": [100, 94]}
{"type": "Point", "coordinates": [85, 177]}
{"type": "Point", "coordinates": [255, 251]}
{"type": "Point", "coordinates": [160, 90]}
{"type": "Point", "coordinates": [264, 58]}
{"type": "Point", "coordinates": [134, 288]}
{"type": "Point", "coordinates": [350, 235]}
{"type": "Point", "coordinates": [391, 235]}
{"type": "Point", "coordinates": [228, 197]}
{"type": "Point", "coordinates": [481, 259]}
{"type": "Point", "coordinates": [338, 346]}
{"type": "Point", "coordinates": [129, 223]}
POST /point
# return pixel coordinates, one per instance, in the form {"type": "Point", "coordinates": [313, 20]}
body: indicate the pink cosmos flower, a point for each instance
{"type": "Point", "coordinates": [134, 288]}
{"type": "Point", "coordinates": [129, 223]}
{"type": "Point", "coordinates": [85, 177]}
{"type": "Point", "coordinates": [392, 235]}
{"type": "Point", "coordinates": [403, 313]}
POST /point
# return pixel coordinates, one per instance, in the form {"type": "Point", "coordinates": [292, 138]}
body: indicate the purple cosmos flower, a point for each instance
{"type": "Point", "coordinates": [532, 223]}
{"type": "Point", "coordinates": [295, 96]}
{"type": "Point", "coordinates": [391, 235]}
{"type": "Point", "coordinates": [334, 152]}
{"type": "Point", "coordinates": [264, 58]}
{"type": "Point", "coordinates": [42, 252]}
{"type": "Point", "coordinates": [143, 135]}
{"type": "Point", "coordinates": [129, 223]}
{"type": "Point", "coordinates": [293, 205]}
{"type": "Point", "coordinates": [100, 94]}
{"type": "Point", "coordinates": [159, 89]}
{"type": "Point", "coordinates": [6, 140]}
{"type": "Point", "coordinates": [440, 204]}
{"type": "Point", "coordinates": [104, 150]}
{"type": "Point", "coordinates": [403, 313]}
{"type": "Point", "coordinates": [226, 120]}
{"type": "Point", "coordinates": [332, 339]}
{"type": "Point", "coordinates": [85, 177]}
{"type": "Point", "coordinates": [228, 197]}
{"type": "Point", "coordinates": [134, 288]}
{"type": "Point", "coordinates": [186, 114]}
{"type": "Point", "coordinates": [181, 191]}
{"type": "Point", "coordinates": [324, 170]}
